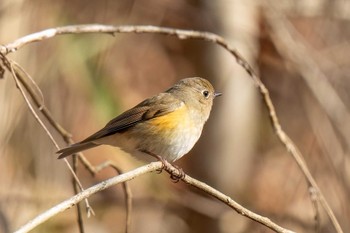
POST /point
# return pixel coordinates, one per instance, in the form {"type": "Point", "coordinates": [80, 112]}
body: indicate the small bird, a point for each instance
{"type": "Point", "coordinates": [165, 126]}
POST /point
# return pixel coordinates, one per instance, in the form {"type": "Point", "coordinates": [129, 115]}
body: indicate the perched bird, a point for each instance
{"type": "Point", "coordinates": [165, 126]}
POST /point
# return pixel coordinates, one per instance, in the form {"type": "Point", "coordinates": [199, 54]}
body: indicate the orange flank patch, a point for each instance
{"type": "Point", "coordinates": [172, 120]}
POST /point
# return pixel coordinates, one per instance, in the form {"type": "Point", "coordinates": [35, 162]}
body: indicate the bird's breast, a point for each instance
{"type": "Point", "coordinates": [171, 135]}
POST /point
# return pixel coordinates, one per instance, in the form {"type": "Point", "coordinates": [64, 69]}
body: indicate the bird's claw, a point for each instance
{"type": "Point", "coordinates": [176, 176]}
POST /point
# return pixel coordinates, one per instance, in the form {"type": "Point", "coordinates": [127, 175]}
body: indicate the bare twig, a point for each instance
{"type": "Point", "coordinates": [292, 47]}
{"type": "Point", "coordinates": [314, 202]}
{"type": "Point", "coordinates": [76, 191]}
{"type": "Point", "coordinates": [126, 189]}
{"type": "Point", "coordinates": [138, 172]}
{"type": "Point", "coordinates": [317, 82]}
{"type": "Point", "coordinates": [19, 75]}
{"type": "Point", "coordinates": [85, 194]}
{"type": "Point", "coordinates": [36, 96]}
{"type": "Point", "coordinates": [175, 172]}
{"type": "Point", "coordinates": [87, 164]}
{"type": "Point", "coordinates": [99, 28]}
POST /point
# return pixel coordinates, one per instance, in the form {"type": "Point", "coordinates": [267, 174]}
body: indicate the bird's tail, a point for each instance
{"type": "Point", "coordinates": [75, 148]}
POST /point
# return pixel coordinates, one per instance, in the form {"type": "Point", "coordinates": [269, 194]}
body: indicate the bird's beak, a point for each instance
{"type": "Point", "coordinates": [216, 94]}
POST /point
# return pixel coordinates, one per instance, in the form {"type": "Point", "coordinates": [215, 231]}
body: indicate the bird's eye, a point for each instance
{"type": "Point", "coordinates": [205, 94]}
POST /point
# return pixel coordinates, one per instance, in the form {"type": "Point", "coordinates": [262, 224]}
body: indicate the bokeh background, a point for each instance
{"type": "Point", "coordinates": [299, 48]}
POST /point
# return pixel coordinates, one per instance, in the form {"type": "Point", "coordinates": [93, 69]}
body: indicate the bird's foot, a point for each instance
{"type": "Point", "coordinates": [175, 175]}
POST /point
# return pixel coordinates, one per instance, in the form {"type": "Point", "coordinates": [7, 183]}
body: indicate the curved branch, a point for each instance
{"type": "Point", "coordinates": [140, 171]}
{"type": "Point", "coordinates": [86, 193]}
{"type": "Point", "coordinates": [110, 29]}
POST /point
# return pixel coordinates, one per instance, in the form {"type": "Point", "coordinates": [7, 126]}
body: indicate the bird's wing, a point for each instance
{"type": "Point", "coordinates": [150, 108]}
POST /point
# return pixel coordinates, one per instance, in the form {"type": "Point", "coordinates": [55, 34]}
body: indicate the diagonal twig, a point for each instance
{"type": "Point", "coordinates": [154, 166]}
{"type": "Point", "coordinates": [126, 188]}
{"type": "Point", "coordinates": [294, 50]}
{"type": "Point", "coordinates": [18, 74]}
{"type": "Point", "coordinates": [76, 191]}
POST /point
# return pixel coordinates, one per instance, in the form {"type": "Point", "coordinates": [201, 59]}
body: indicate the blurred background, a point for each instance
{"type": "Point", "coordinates": [299, 48]}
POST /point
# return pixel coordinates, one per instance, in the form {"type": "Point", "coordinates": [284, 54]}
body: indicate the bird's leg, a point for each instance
{"type": "Point", "coordinates": [175, 177]}
{"type": "Point", "coordinates": [157, 157]}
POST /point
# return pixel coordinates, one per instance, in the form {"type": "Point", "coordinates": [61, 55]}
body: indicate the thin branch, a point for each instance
{"type": "Point", "coordinates": [38, 100]}
{"type": "Point", "coordinates": [175, 172]}
{"type": "Point", "coordinates": [87, 164]}
{"type": "Point", "coordinates": [76, 191]}
{"type": "Point", "coordinates": [293, 48]}
{"type": "Point", "coordinates": [85, 194]}
{"type": "Point", "coordinates": [298, 54]}
{"type": "Point", "coordinates": [99, 28]}
{"type": "Point", "coordinates": [138, 172]}
{"type": "Point", "coordinates": [126, 189]}
{"type": "Point", "coordinates": [317, 216]}
{"type": "Point", "coordinates": [19, 78]}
